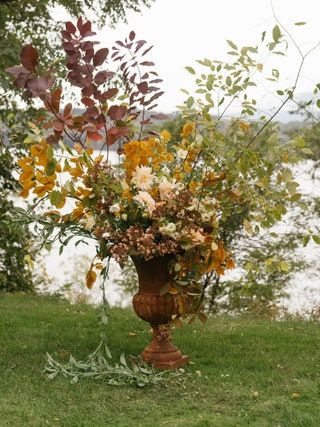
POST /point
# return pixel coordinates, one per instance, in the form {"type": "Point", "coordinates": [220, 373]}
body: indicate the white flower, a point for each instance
{"type": "Point", "coordinates": [143, 178]}
{"type": "Point", "coordinates": [89, 223]}
{"type": "Point", "coordinates": [115, 208]}
{"type": "Point", "coordinates": [181, 153]}
{"type": "Point", "coordinates": [106, 235]}
{"type": "Point", "coordinates": [206, 216]}
{"type": "Point", "coordinates": [179, 186]}
{"type": "Point", "coordinates": [166, 189]}
{"type": "Point", "coordinates": [168, 229]}
{"type": "Point", "coordinates": [197, 236]}
{"type": "Point", "coordinates": [124, 185]}
{"type": "Point", "coordinates": [165, 170]}
{"type": "Point", "coordinates": [214, 246]}
{"type": "Point", "coordinates": [145, 199]}
{"type": "Point", "coordinates": [124, 217]}
{"type": "Point", "coordinates": [191, 207]}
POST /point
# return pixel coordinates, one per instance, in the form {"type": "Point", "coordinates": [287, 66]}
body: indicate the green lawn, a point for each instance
{"type": "Point", "coordinates": [245, 372]}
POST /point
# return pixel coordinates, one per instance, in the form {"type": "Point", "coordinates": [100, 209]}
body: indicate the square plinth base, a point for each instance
{"type": "Point", "coordinates": [172, 365]}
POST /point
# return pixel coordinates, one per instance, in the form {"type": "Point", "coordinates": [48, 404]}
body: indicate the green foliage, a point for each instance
{"type": "Point", "coordinates": [16, 249]}
{"type": "Point", "coordinates": [99, 366]}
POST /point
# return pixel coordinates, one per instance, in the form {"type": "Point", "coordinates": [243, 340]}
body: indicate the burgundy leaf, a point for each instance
{"type": "Point", "coordinates": [145, 76]}
{"type": "Point", "coordinates": [115, 133]}
{"type": "Point", "coordinates": [103, 76]}
{"type": "Point", "coordinates": [120, 43]}
{"type": "Point", "coordinates": [57, 125]}
{"type": "Point", "coordinates": [132, 35]}
{"type": "Point", "coordinates": [70, 27]}
{"type": "Point", "coordinates": [88, 102]}
{"type": "Point", "coordinates": [80, 23]}
{"type": "Point", "coordinates": [156, 81]}
{"type": "Point", "coordinates": [100, 120]}
{"type": "Point", "coordinates": [29, 57]}
{"type": "Point", "coordinates": [139, 45]}
{"type": "Point", "coordinates": [156, 96]}
{"type": "Point", "coordinates": [67, 110]}
{"type": "Point", "coordinates": [145, 122]}
{"type": "Point", "coordinates": [53, 139]}
{"type": "Point", "coordinates": [132, 78]}
{"type": "Point", "coordinates": [17, 70]}
{"type": "Point", "coordinates": [76, 79]}
{"type": "Point", "coordinates": [100, 56]}
{"type": "Point", "coordinates": [55, 99]}
{"type": "Point", "coordinates": [123, 65]}
{"type": "Point", "coordinates": [92, 111]}
{"type": "Point", "coordinates": [66, 35]}
{"type": "Point", "coordinates": [152, 106]}
{"type": "Point", "coordinates": [88, 56]}
{"type": "Point", "coordinates": [153, 89]}
{"type": "Point", "coordinates": [143, 87]}
{"type": "Point", "coordinates": [94, 136]}
{"type": "Point", "coordinates": [86, 28]}
{"type": "Point", "coordinates": [38, 86]}
{"type": "Point", "coordinates": [147, 50]}
{"type": "Point", "coordinates": [147, 63]}
{"type": "Point", "coordinates": [69, 47]}
{"type": "Point", "coordinates": [89, 90]}
{"type": "Point", "coordinates": [119, 58]}
{"type": "Point", "coordinates": [110, 93]}
{"type": "Point", "coordinates": [117, 112]}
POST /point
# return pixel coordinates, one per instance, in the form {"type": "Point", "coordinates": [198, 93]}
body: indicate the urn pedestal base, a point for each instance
{"type": "Point", "coordinates": [157, 309]}
{"type": "Point", "coordinates": [161, 353]}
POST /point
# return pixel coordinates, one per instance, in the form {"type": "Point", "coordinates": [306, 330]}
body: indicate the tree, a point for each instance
{"type": "Point", "coordinates": [16, 239]}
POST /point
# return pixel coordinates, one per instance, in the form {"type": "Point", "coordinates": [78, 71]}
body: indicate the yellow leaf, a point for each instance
{"type": "Point", "coordinates": [98, 159]}
{"type": "Point", "coordinates": [90, 278]}
{"type": "Point", "coordinates": [187, 129]}
{"type": "Point", "coordinates": [40, 191]}
{"type": "Point", "coordinates": [244, 126]}
{"type": "Point", "coordinates": [165, 135]}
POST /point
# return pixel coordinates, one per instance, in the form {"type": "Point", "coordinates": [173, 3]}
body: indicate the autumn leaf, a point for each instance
{"type": "Point", "coordinates": [100, 56]}
{"type": "Point", "coordinates": [90, 278]}
{"type": "Point", "coordinates": [29, 57]}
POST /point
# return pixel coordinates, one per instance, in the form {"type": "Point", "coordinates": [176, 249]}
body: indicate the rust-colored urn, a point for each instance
{"type": "Point", "coordinates": [158, 310]}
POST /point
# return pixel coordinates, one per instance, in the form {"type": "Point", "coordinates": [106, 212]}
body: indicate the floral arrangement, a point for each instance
{"type": "Point", "coordinates": [166, 194]}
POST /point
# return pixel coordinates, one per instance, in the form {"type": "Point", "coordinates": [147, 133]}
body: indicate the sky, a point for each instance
{"type": "Point", "coordinates": [183, 31]}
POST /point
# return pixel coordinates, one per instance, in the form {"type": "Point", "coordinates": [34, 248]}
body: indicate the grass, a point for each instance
{"type": "Point", "coordinates": [246, 372]}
